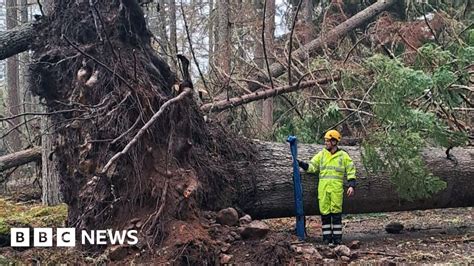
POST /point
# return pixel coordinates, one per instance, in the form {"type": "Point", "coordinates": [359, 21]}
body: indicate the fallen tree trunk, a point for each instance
{"type": "Point", "coordinates": [330, 38]}
{"type": "Point", "coordinates": [17, 40]}
{"type": "Point", "coordinates": [20, 158]}
{"type": "Point", "coordinates": [270, 193]}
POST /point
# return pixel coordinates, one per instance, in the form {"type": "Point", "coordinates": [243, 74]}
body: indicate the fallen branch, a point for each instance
{"type": "Point", "coordinates": [19, 158]}
{"type": "Point", "coordinates": [142, 131]}
{"type": "Point", "coordinates": [258, 95]}
{"type": "Point", "coordinates": [3, 118]}
{"type": "Point", "coordinates": [17, 40]}
{"type": "Point", "coordinates": [332, 37]}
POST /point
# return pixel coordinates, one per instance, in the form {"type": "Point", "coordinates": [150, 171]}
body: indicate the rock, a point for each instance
{"type": "Point", "coordinates": [354, 244]}
{"type": "Point", "coordinates": [344, 258]}
{"type": "Point", "coordinates": [227, 216]}
{"type": "Point", "coordinates": [255, 230]}
{"type": "Point", "coordinates": [296, 249]}
{"type": "Point", "coordinates": [330, 261]}
{"type": "Point", "coordinates": [343, 250]}
{"type": "Point", "coordinates": [117, 253]}
{"type": "Point", "coordinates": [328, 252]}
{"type": "Point", "coordinates": [394, 228]}
{"type": "Point", "coordinates": [224, 258]}
{"type": "Point", "coordinates": [309, 249]}
{"type": "Point", "coordinates": [246, 219]}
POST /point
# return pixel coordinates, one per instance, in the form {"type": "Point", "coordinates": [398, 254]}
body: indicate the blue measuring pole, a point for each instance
{"type": "Point", "coordinates": [298, 189]}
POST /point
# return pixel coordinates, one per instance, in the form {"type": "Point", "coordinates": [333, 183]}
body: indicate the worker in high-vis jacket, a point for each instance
{"type": "Point", "coordinates": [332, 164]}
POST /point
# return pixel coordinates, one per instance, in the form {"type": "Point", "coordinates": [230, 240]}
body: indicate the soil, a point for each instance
{"type": "Point", "coordinates": [431, 236]}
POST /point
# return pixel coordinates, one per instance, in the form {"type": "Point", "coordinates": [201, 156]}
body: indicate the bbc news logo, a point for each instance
{"type": "Point", "coordinates": [66, 237]}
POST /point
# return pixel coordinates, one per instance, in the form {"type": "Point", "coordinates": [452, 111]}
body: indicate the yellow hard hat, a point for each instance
{"type": "Point", "coordinates": [333, 134]}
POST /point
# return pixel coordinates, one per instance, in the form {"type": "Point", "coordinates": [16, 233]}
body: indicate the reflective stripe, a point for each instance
{"type": "Point", "coordinates": [339, 169]}
{"type": "Point", "coordinates": [327, 232]}
{"type": "Point", "coordinates": [326, 226]}
{"type": "Point", "coordinates": [331, 177]}
{"type": "Point", "coordinates": [337, 226]}
{"type": "Point", "coordinates": [337, 232]}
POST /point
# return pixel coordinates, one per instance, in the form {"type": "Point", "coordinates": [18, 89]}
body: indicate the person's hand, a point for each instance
{"type": "Point", "coordinates": [303, 165]}
{"type": "Point", "coordinates": [350, 192]}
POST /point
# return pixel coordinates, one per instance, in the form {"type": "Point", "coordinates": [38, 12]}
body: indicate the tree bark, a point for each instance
{"type": "Point", "coordinates": [270, 193]}
{"type": "Point", "coordinates": [173, 38]}
{"type": "Point", "coordinates": [16, 40]}
{"type": "Point", "coordinates": [224, 32]}
{"type": "Point", "coordinates": [267, 105]}
{"type": "Point", "coordinates": [51, 194]}
{"type": "Point", "coordinates": [13, 80]}
{"type": "Point", "coordinates": [211, 34]}
{"type": "Point", "coordinates": [332, 37]}
{"type": "Point", "coordinates": [19, 158]}
{"type": "Point", "coordinates": [250, 97]}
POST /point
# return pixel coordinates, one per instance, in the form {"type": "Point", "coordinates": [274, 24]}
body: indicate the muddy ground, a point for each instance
{"type": "Point", "coordinates": [431, 236]}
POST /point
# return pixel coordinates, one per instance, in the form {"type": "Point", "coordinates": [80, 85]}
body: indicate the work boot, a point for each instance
{"type": "Point", "coordinates": [337, 228]}
{"type": "Point", "coordinates": [326, 228]}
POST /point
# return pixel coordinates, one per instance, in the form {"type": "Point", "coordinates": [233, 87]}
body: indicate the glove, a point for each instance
{"type": "Point", "coordinates": [303, 165]}
{"type": "Point", "coordinates": [352, 183]}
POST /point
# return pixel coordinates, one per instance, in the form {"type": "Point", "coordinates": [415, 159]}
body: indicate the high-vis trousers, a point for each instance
{"type": "Point", "coordinates": [332, 228]}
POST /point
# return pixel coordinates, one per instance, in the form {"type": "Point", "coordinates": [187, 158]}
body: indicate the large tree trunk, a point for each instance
{"type": "Point", "coordinates": [269, 32]}
{"type": "Point", "coordinates": [223, 49]}
{"type": "Point", "coordinates": [51, 194]}
{"type": "Point", "coordinates": [13, 80]}
{"type": "Point", "coordinates": [270, 194]}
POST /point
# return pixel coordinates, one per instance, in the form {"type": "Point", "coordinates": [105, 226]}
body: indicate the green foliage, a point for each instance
{"type": "Point", "coordinates": [469, 37]}
{"type": "Point", "coordinates": [398, 154]}
{"type": "Point", "coordinates": [396, 148]}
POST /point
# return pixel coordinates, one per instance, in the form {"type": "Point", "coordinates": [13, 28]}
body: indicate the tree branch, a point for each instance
{"type": "Point", "coordinates": [291, 41]}
{"type": "Point", "coordinates": [332, 37]}
{"type": "Point", "coordinates": [247, 98]}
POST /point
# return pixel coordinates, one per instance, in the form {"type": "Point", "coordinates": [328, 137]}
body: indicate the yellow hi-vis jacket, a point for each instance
{"type": "Point", "coordinates": [331, 169]}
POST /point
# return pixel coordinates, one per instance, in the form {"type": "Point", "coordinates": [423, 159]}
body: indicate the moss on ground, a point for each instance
{"type": "Point", "coordinates": [17, 214]}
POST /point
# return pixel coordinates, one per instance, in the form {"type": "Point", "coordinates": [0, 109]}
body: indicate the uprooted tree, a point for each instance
{"type": "Point", "coordinates": [133, 146]}
{"type": "Point", "coordinates": [129, 144]}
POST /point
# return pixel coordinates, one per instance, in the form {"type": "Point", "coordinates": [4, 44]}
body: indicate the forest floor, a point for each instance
{"type": "Point", "coordinates": [431, 236]}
